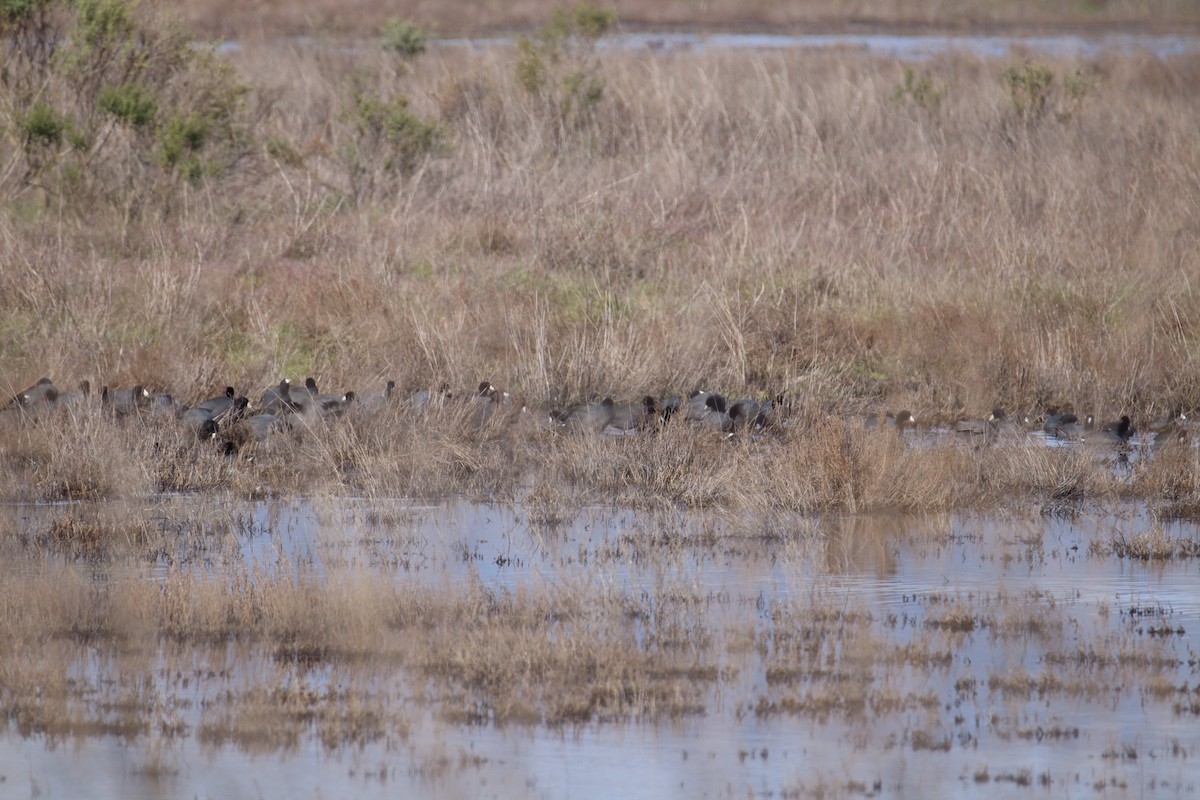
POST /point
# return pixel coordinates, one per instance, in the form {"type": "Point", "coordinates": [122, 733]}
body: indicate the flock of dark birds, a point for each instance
{"type": "Point", "coordinates": [232, 421]}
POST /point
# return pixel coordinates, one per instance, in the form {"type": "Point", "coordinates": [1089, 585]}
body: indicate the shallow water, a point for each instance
{"type": "Point", "coordinates": [918, 47]}
{"type": "Point", "coordinates": [906, 569]}
{"type": "Point", "coordinates": [904, 47]}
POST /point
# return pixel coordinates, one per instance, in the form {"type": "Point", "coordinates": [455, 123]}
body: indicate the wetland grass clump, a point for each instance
{"type": "Point", "coordinates": [552, 656]}
{"type": "Point", "coordinates": [1152, 545]}
{"type": "Point", "coordinates": [82, 456]}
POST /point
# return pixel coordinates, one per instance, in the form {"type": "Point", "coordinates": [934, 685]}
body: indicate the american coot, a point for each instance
{"type": "Point", "coordinates": [700, 404]}
{"type": "Point", "coordinates": [207, 430]}
{"type": "Point", "coordinates": [78, 398]}
{"type": "Point", "coordinates": [278, 399]}
{"type": "Point", "coordinates": [1118, 432]}
{"type": "Point", "coordinates": [1068, 426]}
{"type": "Point", "coordinates": [635, 416]}
{"type": "Point", "coordinates": [198, 417]}
{"type": "Point", "coordinates": [1176, 430]}
{"type": "Point", "coordinates": [899, 420]}
{"type": "Point", "coordinates": [41, 392]}
{"type": "Point", "coordinates": [482, 403]}
{"type": "Point", "coordinates": [586, 417]}
{"type": "Point", "coordinates": [301, 394]}
{"type": "Point", "coordinates": [371, 402]}
{"type": "Point", "coordinates": [748, 413]}
{"type": "Point", "coordinates": [714, 416]}
{"type": "Point", "coordinates": [124, 401]}
{"type": "Point", "coordinates": [198, 420]}
{"type": "Point", "coordinates": [324, 406]}
{"type": "Point", "coordinates": [1169, 422]}
{"type": "Point", "coordinates": [164, 404]}
{"type": "Point", "coordinates": [670, 407]}
{"type": "Point", "coordinates": [425, 399]}
{"type": "Point", "coordinates": [489, 403]}
{"type": "Point", "coordinates": [219, 404]}
{"type": "Point", "coordinates": [982, 427]}
{"type": "Point", "coordinates": [256, 428]}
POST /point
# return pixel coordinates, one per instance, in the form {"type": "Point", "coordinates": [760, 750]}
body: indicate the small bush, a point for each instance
{"type": "Point", "coordinates": [75, 66]}
{"type": "Point", "coordinates": [1028, 89]}
{"type": "Point", "coordinates": [558, 66]}
{"type": "Point", "coordinates": [43, 126]}
{"type": "Point", "coordinates": [1033, 90]}
{"type": "Point", "coordinates": [402, 37]}
{"type": "Point", "coordinates": [921, 91]}
{"type": "Point", "coordinates": [1077, 86]}
{"type": "Point", "coordinates": [389, 141]}
{"type": "Point", "coordinates": [130, 103]}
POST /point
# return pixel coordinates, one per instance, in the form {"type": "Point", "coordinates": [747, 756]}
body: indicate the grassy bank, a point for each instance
{"type": "Point", "coordinates": [569, 223]}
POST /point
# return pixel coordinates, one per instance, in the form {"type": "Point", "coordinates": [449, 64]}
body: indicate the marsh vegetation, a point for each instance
{"type": "Point", "coordinates": [420, 593]}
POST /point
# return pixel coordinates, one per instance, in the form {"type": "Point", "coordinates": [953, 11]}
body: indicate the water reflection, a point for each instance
{"type": "Point", "coordinates": [917, 47]}
{"type": "Point", "coordinates": [1034, 587]}
{"type": "Point", "coordinates": [881, 45]}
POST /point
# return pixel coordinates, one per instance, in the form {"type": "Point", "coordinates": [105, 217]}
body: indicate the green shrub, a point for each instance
{"type": "Point", "coordinates": [1077, 86]}
{"type": "Point", "coordinates": [43, 126]}
{"type": "Point", "coordinates": [74, 66]}
{"type": "Point", "coordinates": [130, 103]}
{"type": "Point", "coordinates": [921, 91]}
{"type": "Point", "coordinates": [1033, 90]}
{"type": "Point", "coordinates": [402, 37]}
{"type": "Point", "coordinates": [13, 12]}
{"type": "Point", "coordinates": [390, 140]}
{"type": "Point", "coordinates": [1028, 89]}
{"type": "Point", "coordinates": [560, 69]}
{"type": "Point", "coordinates": [181, 137]}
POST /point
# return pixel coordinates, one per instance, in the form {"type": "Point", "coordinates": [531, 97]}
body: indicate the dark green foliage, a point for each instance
{"type": "Point", "coordinates": [130, 103]}
{"type": "Point", "coordinates": [43, 127]}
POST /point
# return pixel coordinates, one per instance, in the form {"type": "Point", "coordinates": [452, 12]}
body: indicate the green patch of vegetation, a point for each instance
{"type": "Point", "coordinates": [181, 140]}
{"type": "Point", "coordinates": [1077, 85]}
{"type": "Point", "coordinates": [405, 39]}
{"type": "Point", "coordinates": [75, 66]}
{"type": "Point", "coordinates": [1033, 90]}
{"type": "Point", "coordinates": [390, 140]}
{"type": "Point", "coordinates": [919, 90]}
{"type": "Point", "coordinates": [1028, 89]}
{"type": "Point", "coordinates": [43, 126]}
{"type": "Point", "coordinates": [559, 67]}
{"type": "Point", "coordinates": [240, 350]}
{"type": "Point", "coordinates": [295, 350]}
{"type": "Point", "coordinates": [129, 103]}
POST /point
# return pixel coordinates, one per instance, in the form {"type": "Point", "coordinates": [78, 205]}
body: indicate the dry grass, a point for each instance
{"type": "Point", "coordinates": [755, 222]}
{"type": "Point", "coordinates": [759, 223]}
{"type": "Point", "coordinates": [829, 464]}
